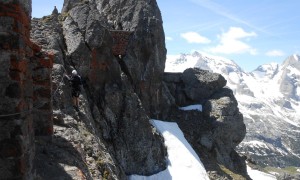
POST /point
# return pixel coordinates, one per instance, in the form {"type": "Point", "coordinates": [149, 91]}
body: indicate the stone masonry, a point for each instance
{"type": "Point", "coordinates": [41, 65]}
{"type": "Point", "coordinates": [25, 89]}
{"type": "Point", "coordinates": [121, 39]}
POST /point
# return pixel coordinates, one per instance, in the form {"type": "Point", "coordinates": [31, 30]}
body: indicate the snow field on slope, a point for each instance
{"type": "Point", "coordinates": [258, 175]}
{"type": "Point", "coordinates": [172, 66]}
{"type": "Point", "coordinates": [183, 162]}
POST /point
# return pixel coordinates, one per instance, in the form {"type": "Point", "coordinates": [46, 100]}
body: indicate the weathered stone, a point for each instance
{"type": "Point", "coordinates": [120, 39]}
{"type": "Point", "coordinates": [228, 123]}
{"type": "Point", "coordinates": [69, 4]}
{"type": "Point", "coordinates": [43, 122]}
{"type": "Point", "coordinates": [10, 148]}
{"type": "Point", "coordinates": [74, 37]}
{"type": "Point", "coordinates": [42, 92]}
{"type": "Point", "coordinates": [134, 128]}
{"type": "Point", "coordinates": [172, 77]}
{"type": "Point", "coordinates": [55, 11]}
{"type": "Point", "coordinates": [13, 91]}
{"type": "Point", "coordinates": [193, 85]}
{"type": "Point", "coordinates": [146, 52]}
{"type": "Point", "coordinates": [201, 84]}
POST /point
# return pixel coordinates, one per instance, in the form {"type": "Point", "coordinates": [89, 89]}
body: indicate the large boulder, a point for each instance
{"type": "Point", "coordinates": [201, 84]}
{"type": "Point", "coordinates": [193, 85]}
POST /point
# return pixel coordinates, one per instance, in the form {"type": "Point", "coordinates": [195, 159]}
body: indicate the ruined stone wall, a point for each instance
{"type": "Point", "coordinates": [19, 64]}
{"type": "Point", "coordinates": [42, 64]}
{"type": "Point", "coordinates": [121, 39]}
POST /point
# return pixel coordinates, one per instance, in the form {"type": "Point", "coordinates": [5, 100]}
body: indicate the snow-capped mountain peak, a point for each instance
{"type": "Point", "coordinates": [296, 57]}
{"type": "Point", "coordinates": [290, 78]}
{"type": "Point", "coordinates": [266, 71]}
{"type": "Point", "coordinates": [292, 61]}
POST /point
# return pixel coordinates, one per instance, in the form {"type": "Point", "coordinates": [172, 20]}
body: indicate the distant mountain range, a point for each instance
{"type": "Point", "coordinates": [269, 98]}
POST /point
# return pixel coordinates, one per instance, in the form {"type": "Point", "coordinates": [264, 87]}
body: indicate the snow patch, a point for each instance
{"type": "Point", "coordinates": [177, 63]}
{"type": "Point", "coordinates": [197, 107]}
{"type": "Point", "coordinates": [258, 175]}
{"type": "Point", "coordinates": [296, 57]}
{"type": "Point", "coordinates": [256, 144]}
{"type": "Point", "coordinates": [234, 78]}
{"type": "Point", "coordinates": [293, 71]}
{"type": "Point", "coordinates": [183, 162]}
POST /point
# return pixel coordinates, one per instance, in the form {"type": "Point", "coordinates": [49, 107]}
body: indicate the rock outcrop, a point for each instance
{"type": "Point", "coordinates": [193, 85]}
{"type": "Point", "coordinates": [219, 128]}
{"type": "Point", "coordinates": [111, 136]}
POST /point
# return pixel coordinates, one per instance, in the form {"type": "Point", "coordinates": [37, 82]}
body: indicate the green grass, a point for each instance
{"type": "Point", "coordinates": [63, 16]}
{"type": "Point", "coordinates": [46, 19]}
{"type": "Point", "coordinates": [231, 174]}
{"type": "Point", "coordinates": [289, 170]}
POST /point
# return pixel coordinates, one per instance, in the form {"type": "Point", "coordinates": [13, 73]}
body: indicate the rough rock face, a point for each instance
{"type": "Point", "coordinates": [193, 85]}
{"type": "Point", "coordinates": [146, 52]}
{"type": "Point", "coordinates": [146, 49]}
{"type": "Point", "coordinates": [219, 128]}
{"type": "Point", "coordinates": [287, 177]}
{"type": "Point", "coordinates": [80, 39]}
{"type": "Point", "coordinates": [201, 84]}
{"type": "Point", "coordinates": [229, 128]}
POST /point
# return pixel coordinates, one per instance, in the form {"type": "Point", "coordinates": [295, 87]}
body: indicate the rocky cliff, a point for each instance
{"type": "Point", "coordinates": [118, 48]}
{"type": "Point", "coordinates": [81, 39]}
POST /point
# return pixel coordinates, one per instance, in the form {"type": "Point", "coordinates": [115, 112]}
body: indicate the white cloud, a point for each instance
{"type": "Point", "coordinates": [193, 37]}
{"type": "Point", "coordinates": [231, 42]}
{"type": "Point", "coordinates": [168, 38]}
{"type": "Point", "coordinates": [221, 10]}
{"type": "Point", "coordinates": [275, 53]}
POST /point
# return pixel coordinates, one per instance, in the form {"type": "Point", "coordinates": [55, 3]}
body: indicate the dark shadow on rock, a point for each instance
{"type": "Point", "coordinates": [57, 158]}
{"type": "Point", "coordinates": [67, 125]}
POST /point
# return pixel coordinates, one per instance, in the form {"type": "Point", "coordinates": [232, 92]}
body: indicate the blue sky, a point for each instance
{"type": "Point", "coordinates": [251, 32]}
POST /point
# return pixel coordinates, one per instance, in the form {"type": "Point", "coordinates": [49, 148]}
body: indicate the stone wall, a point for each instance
{"type": "Point", "coordinates": [19, 64]}
{"type": "Point", "coordinates": [121, 39]}
{"type": "Point", "coordinates": [42, 64]}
